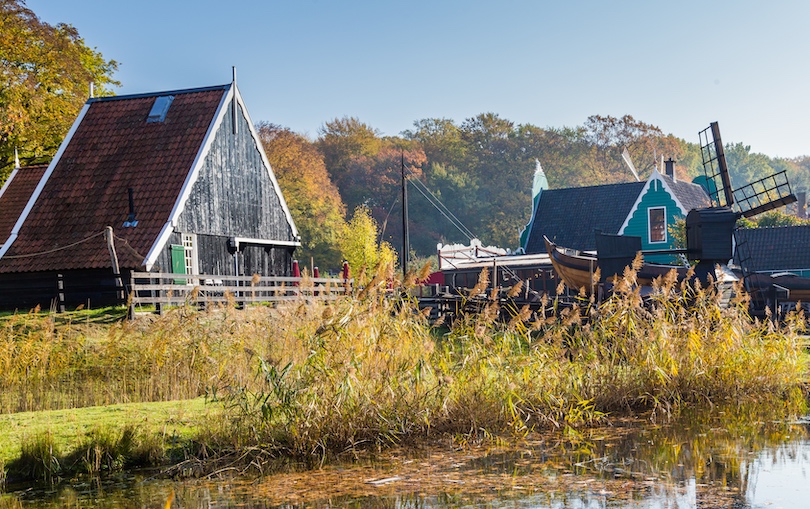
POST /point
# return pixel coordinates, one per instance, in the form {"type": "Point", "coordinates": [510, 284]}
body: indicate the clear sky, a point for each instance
{"type": "Point", "coordinates": [677, 64]}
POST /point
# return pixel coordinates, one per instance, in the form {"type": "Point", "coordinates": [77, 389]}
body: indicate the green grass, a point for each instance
{"type": "Point", "coordinates": [104, 315]}
{"type": "Point", "coordinates": [176, 421]}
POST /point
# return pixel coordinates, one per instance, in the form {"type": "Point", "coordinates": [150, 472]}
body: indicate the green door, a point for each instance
{"type": "Point", "coordinates": [178, 262]}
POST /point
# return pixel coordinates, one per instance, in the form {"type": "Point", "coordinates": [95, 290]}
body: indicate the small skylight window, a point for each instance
{"type": "Point", "coordinates": [160, 108]}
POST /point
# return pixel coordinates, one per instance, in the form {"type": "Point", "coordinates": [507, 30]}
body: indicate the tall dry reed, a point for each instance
{"type": "Point", "coordinates": [314, 378]}
{"type": "Point", "coordinates": [372, 371]}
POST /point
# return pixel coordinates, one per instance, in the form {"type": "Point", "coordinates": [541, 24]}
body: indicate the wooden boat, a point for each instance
{"type": "Point", "coordinates": [577, 268]}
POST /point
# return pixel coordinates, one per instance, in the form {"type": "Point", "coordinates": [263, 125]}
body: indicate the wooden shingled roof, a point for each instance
{"type": "Point", "coordinates": [112, 148]}
{"type": "Point", "coordinates": [14, 196]}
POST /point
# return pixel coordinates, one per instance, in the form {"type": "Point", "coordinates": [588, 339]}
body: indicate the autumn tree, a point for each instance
{"type": "Point", "coordinates": [45, 74]}
{"type": "Point", "coordinates": [313, 200]}
{"type": "Point", "coordinates": [361, 247]}
{"type": "Point", "coordinates": [645, 143]}
{"type": "Point", "coordinates": [342, 139]}
{"type": "Point", "coordinates": [375, 181]}
{"type": "Point", "coordinates": [503, 173]}
{"type": "Point", "coordinates": [773, 218]}
{"type": "Point", "coordinates": [440, 139]}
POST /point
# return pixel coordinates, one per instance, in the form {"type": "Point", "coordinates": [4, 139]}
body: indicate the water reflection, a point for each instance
{"type": "Point", "coordinates": [734, 459]}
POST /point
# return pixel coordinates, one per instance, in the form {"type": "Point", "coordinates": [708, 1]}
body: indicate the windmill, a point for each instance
{"type": "Point", "coordinates": [765, 194]}
{"type": "Point", "coordinates": [709, 232]}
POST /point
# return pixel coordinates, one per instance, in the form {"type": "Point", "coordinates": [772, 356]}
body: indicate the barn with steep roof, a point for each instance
{"type": "Point", "coordinates": [180, 178]}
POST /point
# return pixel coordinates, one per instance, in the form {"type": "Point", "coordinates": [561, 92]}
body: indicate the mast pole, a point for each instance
{"type": "Point", "coordinates": [405, 239]}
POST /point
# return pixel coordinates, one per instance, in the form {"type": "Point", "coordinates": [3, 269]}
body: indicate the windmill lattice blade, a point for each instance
{"type": "Point", "coordinates": [764, 194]}
{"type": "Point", "coordinates": [714, 166]}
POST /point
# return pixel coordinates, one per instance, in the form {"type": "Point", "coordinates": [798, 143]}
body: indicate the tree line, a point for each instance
{"type": "Point", "coordinates": [480, 169]}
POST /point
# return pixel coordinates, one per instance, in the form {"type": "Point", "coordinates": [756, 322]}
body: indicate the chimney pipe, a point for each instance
{"type": "Point", "coordinates": [669, 164]}
{"type": "Point", "coordinates": [801, 202]}
{"type": "Point", "coordinates": [131, 222]}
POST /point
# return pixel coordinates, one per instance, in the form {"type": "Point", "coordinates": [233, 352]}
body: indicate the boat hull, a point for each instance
{"type": "Point", "coordinates": [578, 269]}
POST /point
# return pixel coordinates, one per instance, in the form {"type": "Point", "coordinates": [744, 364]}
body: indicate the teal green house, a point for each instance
{"type": "Point", "coordinates": [660, 204]}
{"type": "Point", "coordinates": [569, 217]}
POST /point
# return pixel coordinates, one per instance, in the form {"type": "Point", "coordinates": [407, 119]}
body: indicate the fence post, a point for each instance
{"type": "Point", "coordinates": [60, 286]}
{"type": "Point", "coordinates": [132, 296]}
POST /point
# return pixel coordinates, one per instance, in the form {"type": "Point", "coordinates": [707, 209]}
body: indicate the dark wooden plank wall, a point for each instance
{"type": "Point", "coordinates": [91, 287]}
{"type": "Point", "coordinates": [234, 195]}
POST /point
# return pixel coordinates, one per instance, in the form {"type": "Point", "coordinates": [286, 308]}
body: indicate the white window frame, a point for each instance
{"type": "Point", "coordinates": [189, 241]}
{"type": "Point", "coordinates": [650, 225]}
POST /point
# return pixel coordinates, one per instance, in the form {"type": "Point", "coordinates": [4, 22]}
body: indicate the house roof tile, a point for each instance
{"type": "Point", "coordinates": [15, 195]}
{"type": "Point", "coordinates": [113, 149]}
{"type": "Point", "coordinates": [776, 248]}
{"type": "Point", "coordinates": [691, 196]}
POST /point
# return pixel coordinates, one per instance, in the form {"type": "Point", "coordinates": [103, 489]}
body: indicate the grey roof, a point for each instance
{"type": "Point", "coordinates": [776, 248]}
{"type": "Point", "coordinates": [692, 196]}
{"type": "Point", "coordinates": [569, 216]}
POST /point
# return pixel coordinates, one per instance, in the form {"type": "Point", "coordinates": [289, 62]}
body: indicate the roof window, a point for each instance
{"type": "Point", "coordinates": [160, 108]}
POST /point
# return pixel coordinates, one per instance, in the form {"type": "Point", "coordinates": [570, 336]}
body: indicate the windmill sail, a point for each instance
{"type": "Point", "coordinates": [629, 163]}
{"type": "Point", "coordinates": [749, 200]}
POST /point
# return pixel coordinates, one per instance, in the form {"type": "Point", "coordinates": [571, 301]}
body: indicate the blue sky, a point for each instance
{"type": "Point", "coordinates": [678, 65]}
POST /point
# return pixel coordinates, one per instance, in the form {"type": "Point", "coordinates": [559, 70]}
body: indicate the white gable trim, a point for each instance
{"type": "Point", "coordinates": [655, 175]}
{"type": "Point", "coordinates": [38, 190]}
{"type": "Point", "coordinates": [5, 186]}
{"type": "Point", "coordinates": [191, 178]}
{"type": "Point", "coordinates": [8, 181]}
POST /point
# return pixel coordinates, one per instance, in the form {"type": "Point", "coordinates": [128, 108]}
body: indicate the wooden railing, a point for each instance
{"type": "Point", "coordinates": [164, 289]}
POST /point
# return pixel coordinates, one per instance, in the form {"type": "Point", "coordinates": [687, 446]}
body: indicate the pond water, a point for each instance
{"type": "Point", "coordinates": [730, 460]}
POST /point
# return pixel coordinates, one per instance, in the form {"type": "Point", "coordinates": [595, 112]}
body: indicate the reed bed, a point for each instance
{"type": "Point", "coordinates": [368, 372]}
{"type": "Point", "coordinates": [48, 366]}
{"type": "Point", "coordinates": [314, 379]}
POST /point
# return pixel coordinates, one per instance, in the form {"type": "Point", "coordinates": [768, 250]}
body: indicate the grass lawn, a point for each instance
{"type": "Point", "coordinates": [175, 420]}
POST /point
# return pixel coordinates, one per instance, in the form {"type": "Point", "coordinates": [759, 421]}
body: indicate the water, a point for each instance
{"type": "Point", "coordinates": [732, 460]}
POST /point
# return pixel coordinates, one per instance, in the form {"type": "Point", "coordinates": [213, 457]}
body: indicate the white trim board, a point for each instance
{"type": "Point", "coordinates": [38, 190]}
{"type": "Point", "coordinates": [265, 242]}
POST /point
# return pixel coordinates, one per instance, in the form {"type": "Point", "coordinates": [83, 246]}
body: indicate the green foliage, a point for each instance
{"type": "Point", "coordinates": [39, 459]}
{"type": "Point", "coordinates": [342, 139]}
{"type": "Point", "coordinates": [102, 450]}
{"type": "Point", "coordinates": [778, 217]}
{"type": "Point", "coordinates": [361, 247]}
{"type": "Point", "coordinates": [46, 72]}
{"type": "Point", "coordinates": [677, 232]}
{"type": "Point", "coordinates": [47, 365]}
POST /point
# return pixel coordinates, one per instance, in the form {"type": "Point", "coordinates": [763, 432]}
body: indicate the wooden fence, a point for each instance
{"type": "Point", "coordinates": [164, 289]}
